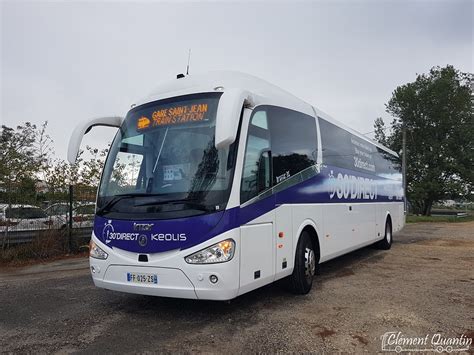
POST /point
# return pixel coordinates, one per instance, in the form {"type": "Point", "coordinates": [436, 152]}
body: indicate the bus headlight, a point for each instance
{"type": "Point", "coordinates": [217, 253]}
{"type": "Point", "coordinates": [96, 252]}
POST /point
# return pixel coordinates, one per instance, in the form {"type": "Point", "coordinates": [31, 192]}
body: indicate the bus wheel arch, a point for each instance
{"type": "Point", "coordinates": [307, 256]}
{"type": "Point", "coordinates": [386, 242]}
{"type": "Point", "coordinates": [311, 230]}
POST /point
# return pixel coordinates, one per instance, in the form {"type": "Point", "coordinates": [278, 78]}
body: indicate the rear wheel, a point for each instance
{"type": "Point", "coordinates": [386, 242]}
{"type": "Point", "coordinates": [301, 280]}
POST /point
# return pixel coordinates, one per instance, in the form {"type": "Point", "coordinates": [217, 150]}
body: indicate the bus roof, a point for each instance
{"type": "Point", "coordinates": [266, 92]}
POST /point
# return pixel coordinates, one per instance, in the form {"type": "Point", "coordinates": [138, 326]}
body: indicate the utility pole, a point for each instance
{"type": "Point", "coordinates": [404, 165]}
{"type": "Point", "coordinates": [69, 235]}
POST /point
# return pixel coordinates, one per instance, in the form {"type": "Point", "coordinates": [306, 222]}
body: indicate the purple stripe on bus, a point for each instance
{"type": "Point", "coordinates": [331, 185]}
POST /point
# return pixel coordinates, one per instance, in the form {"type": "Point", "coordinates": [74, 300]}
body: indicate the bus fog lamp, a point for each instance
{"type": "Point", "coordinates": [217, 253]}
{"type": "Point", "coordinates": [96, 252]}
{"type": "Point", "coordinates": [213, 279]}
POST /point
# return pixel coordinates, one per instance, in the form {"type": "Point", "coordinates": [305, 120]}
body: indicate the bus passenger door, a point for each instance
{"type": "Point", "coordinates": [257, 252]}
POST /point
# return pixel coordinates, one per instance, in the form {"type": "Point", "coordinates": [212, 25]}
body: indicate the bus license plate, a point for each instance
{"type": "Point", "coordinates": [142, 278]}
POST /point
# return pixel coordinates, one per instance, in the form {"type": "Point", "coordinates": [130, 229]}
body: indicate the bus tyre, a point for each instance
{"type": "Point", "coordinates": [301, 280]}
{"type": "Point", "coordinates": [386, 242]}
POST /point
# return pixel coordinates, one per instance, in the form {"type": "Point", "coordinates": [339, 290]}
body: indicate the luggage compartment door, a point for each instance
{"type": "Point", "coordinates": [256, 256]}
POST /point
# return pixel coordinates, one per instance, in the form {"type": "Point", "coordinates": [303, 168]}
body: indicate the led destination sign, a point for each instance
{"type": "Point", "coordinates": [176, 115]}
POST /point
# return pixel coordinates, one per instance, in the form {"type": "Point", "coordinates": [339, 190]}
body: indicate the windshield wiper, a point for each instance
{"type": "Point", "coordinates": [189, 202]}
{"type": "Point", "coordinates": [118, 198]}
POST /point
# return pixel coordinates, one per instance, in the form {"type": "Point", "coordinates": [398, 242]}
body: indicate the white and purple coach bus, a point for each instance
{"type": "Point", "coordinates": [218, 184]}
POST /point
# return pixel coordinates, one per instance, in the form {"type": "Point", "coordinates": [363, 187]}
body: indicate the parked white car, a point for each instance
{"type": "Point", "coordinates": [82, 214]}
{"type": "Point", "coordinates": [18, 217]}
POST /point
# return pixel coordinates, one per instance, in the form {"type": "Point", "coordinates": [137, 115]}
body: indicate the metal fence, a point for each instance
{"type": "Point", "coordinates": [63, 217]}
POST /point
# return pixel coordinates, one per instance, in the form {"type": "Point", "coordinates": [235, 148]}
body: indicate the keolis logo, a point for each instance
{"type": "Point", "coordinates": [109, 234]}
{"type": "Point", "coordinates": [169, 237]}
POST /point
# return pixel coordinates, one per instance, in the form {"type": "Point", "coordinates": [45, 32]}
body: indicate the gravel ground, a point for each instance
{"type": "Point", "coordinates": [423, 285]}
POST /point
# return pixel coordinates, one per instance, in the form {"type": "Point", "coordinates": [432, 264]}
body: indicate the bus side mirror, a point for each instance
{"type": "Point", "coordinates": [264, 175]}
{"type": "Point", "coordinates": [84, 128]}
{"type": "Point", "coordinates": [228, 115]}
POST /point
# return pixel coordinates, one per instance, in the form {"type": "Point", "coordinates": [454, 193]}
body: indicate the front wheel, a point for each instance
{"type": "Point", "coordinates": [305, 266]}
{"type": "Point", "coordinates": [386, 242]}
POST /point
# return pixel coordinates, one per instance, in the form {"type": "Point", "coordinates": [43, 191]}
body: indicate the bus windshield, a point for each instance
{"type": "Point", "coordinates": [163, 162]}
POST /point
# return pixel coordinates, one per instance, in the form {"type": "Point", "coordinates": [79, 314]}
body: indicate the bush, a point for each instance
{"type": "Point", "coordinates": [45, 245]}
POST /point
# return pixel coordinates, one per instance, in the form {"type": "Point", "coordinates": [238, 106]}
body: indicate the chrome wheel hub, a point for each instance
{"type": "Point", "coordinates": [309, 263]}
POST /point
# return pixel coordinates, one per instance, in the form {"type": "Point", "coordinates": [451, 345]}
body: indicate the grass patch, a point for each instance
{"type": "Point", "coordinates": [451, 219]}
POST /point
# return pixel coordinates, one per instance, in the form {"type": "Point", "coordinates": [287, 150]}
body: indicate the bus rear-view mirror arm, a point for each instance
{"type": "Point", "coordinates": [264, 158]}
{"type": "Point", "coordinates": [228, 115]}
{"type": "Point", "coordinates": [84, 128]}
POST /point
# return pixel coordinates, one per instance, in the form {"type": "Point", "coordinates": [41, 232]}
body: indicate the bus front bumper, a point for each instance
{"type": "Point", "coordinates": [174, 277]}
{"type": "Point", "coordinates": [170, 282]}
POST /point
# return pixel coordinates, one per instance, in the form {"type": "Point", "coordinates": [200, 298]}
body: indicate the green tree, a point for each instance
{"type": "Point", "coordinates": [379, 131]}
{"type": "Point", "coordinates": [44, 150]}
{"type": "Point", "coordinates": [59, 176]}
{"type": "Point", "coordinates": [435, 110]}
{"type": "Point", "coordinates": [84, 174]}
{"type": "Point", "coordinates": [27, 156]}
{"type": "Point", "coordinates": [91, 169]}
{"type": "Point", "coordinates": [17, 153]}
{"type": "Point", "coordinates": [19, 161]}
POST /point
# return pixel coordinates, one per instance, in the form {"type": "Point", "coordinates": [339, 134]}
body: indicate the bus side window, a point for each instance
{"type": "Point", "coordinates": [293, 141]}
{"type": "Point", "coordinates": [337, 149]}
{"type": "Point", "coordinates": [258, 145]}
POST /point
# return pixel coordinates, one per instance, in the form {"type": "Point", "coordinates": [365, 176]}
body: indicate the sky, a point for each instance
{"type": "Point", "coordinates": [64, 62]}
